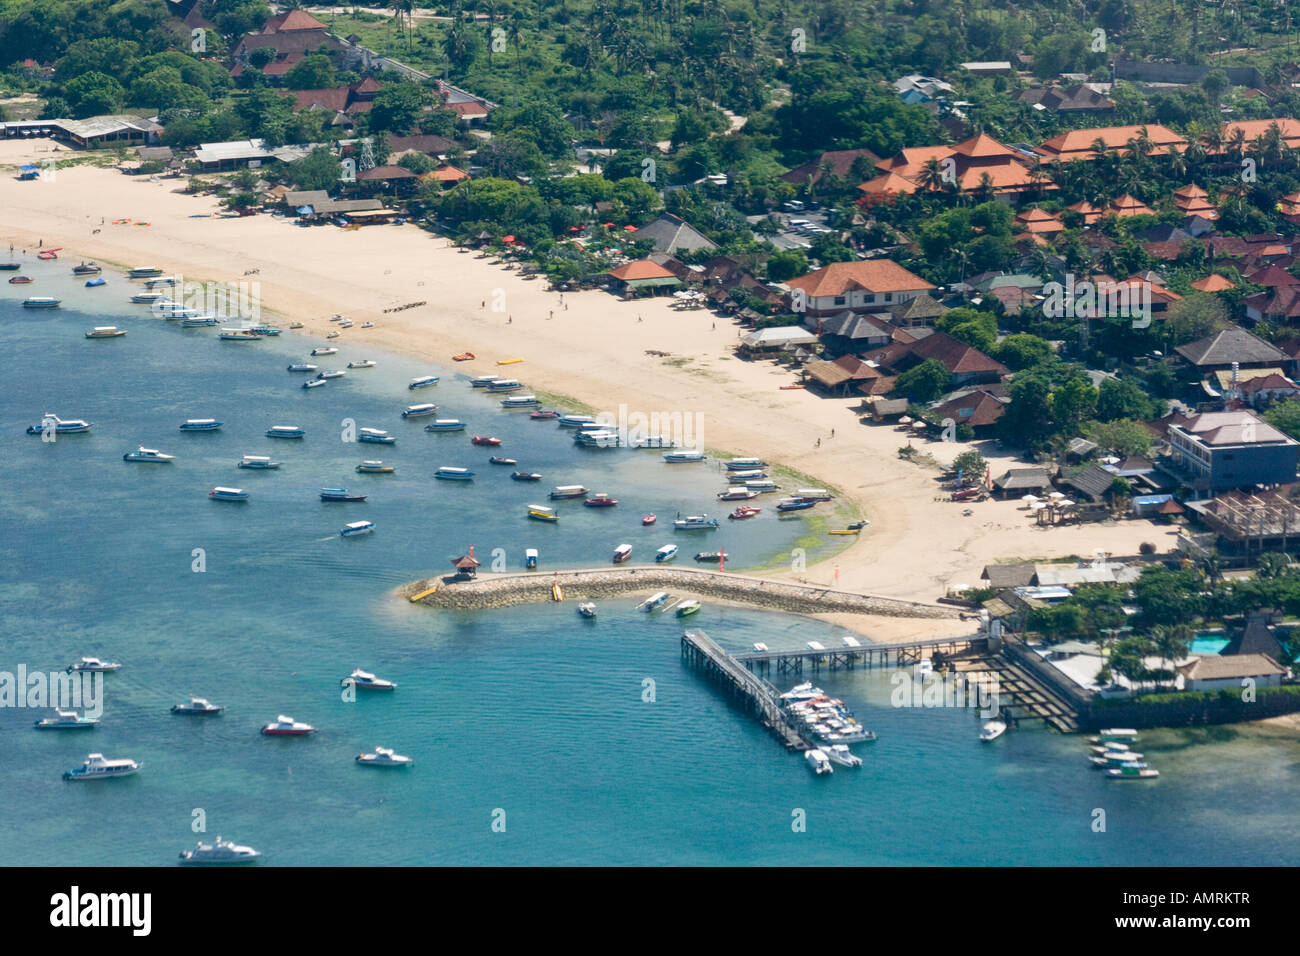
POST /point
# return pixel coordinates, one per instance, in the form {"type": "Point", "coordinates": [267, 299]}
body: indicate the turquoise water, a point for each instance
{"type": "Point", "coordinates": [528, 710]}
{"type": "Point", "coordinates": [1209, 643]}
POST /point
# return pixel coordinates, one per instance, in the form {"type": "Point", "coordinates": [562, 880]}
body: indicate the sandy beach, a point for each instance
{"type": "Point", "coordinates": [592, 347]}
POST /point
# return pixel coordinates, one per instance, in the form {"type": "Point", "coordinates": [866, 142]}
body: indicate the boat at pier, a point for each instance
{"type": "Point", "coordinates": [197, 707]}
{"type": "Point", "coordinates": [992, 730]}
{"type": "Point", "coordinates": [840, 754]}
{"type": "Point", "coordinates": [1114, 734]}
{"type": "Point", "coordinates": [97, 767]}
{"type": "Point", "coordinates": [1118, 760]}
{"type": "Point", "coordinates": [147, 455]}
{"type": "Point", "coordinates": [1131, 773]}
{"type": "Point", "coordinates": [258, 463]}
{"type": "Point", "coordinates": [818, 762]}
{"type": "Point", "coordinates": [66, 720]}
{"type": "Point", "coordinates": [219, 853]}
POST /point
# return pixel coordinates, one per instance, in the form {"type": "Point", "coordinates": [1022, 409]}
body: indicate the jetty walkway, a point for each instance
{"type": "Point", "coordinates": [490, 590]}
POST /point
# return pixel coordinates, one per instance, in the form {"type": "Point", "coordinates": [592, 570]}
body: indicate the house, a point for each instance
{"type": "Point", "coordinates": [966, 364]}
{"type": "Point", "coordinates": [435, 147]}
{"type": "Point", "coordinates": [918, 312]}
{"type": "Point", "coordinates": [1091, 481]}
{"type": "Point", "coordinates": [1213, 283]}
{"type": "Point", "coordinates": [840, 376]}
{"type": "Point", "coordinates": [343, 102]}
{"type": "Point", "coordinates": [1079, 98]}
{"type": "Point", "coordinates": [216, 157]}
{"type": "Point", "coordinates": [1018, 482]}
{"type": "Point", "coordinates": [96, 132]}
{"type": "Point", "coordinates": [1219, 672]}
{"type": "Point", "coordinates": [886, 187]}
{"type": "Point", "coordinates": [291, 35]}
{"type": "Point", "coordinates": [1281, 304]}
{"type": "Point", "coordinates": [976, 408]}
{"type": "Point", "coordinates": [856, 286]}
{"type": "Point", "coordinates": [1229, 347]}
{"type": "Point", "coordinates": [1222, 450]}
{"type": "Point", "coordinates": [1192, 200]}
{"type": "Point", "coordinates": [447, 175]}
{"type": "Point", "coordinates": [1079, 144]}
{"type": "Point", "coordinates": [848, 331]}
{"type": "Point", "coordinates": [642, 274]}
{"type": "Point", "coordinates": [1262, 388]}
{"type": "Point", "coordinates": [1127, 205]}
{"type": "Point", "coordinates": [1090, 213]}
{"type": "Point", "coordinates": [779, 337]}
{"type": "Point", "coordinates": [1040, 222]}
{"type": "Point", "coordinates": [837, 163]}
{"type": "Point", "coordinates": [988, 67]}
{"type": "Point", "coordinates": [980, 162]}
{"type": "Point", "coordinates": [1000, 576]}
{"type": "Point", "coordinates": [470, 110]}
{"type": "Point", "coordinates": [916, 88]}
{"type": "Point", "coordinates": [387, 178]}
{"type": "Point", "coordinates": [1251, 130]}
{"type": "Point", "coordinates": [673, 235]}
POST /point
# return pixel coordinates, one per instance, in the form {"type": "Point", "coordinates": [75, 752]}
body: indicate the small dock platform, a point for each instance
{"type": "Point", "coordinates": [861, 655]}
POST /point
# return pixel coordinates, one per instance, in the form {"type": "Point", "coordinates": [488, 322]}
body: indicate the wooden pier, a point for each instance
{"type": "Point", "coordinates": [1023, 696]}
{"type": "Point", "coordinates": [743, 687]}
{"type": "Point", "coordinates": [862, 655]}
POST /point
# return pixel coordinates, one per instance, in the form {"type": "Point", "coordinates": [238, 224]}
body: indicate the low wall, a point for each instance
{"type": "Point", "coordinates": [1195, 709]}
{"type": "Point", "coordinates": [503, 590]}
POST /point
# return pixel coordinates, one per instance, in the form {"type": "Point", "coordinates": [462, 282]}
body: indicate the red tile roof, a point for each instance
{"type": "Point", "coordinates": [1213, 283]}
{"type": "Point", "coordinates": [1078, 143]}
{"type": "Point", "coordinates": [641, 269]}
{"type": "Point", "coordinates": [872, 275]}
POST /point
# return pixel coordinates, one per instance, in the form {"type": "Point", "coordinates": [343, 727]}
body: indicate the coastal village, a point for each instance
{"type": "Point", "coordinates": [1115, 305]}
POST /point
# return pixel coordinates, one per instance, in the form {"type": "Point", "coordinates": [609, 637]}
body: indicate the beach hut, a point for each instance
{"type": "Point", "coordinates": [466, 566]}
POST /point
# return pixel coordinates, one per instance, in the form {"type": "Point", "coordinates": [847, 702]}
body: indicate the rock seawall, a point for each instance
{"type": "Point", "coordinates": [504, 590]}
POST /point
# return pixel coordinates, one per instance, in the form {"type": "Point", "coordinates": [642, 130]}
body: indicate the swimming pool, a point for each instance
{"type": "Point", "coordinates": [1211, 643]}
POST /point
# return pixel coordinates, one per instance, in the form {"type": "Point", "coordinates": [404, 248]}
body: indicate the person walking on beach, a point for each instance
{"type": "Point", "coordinates": [832, 433]}
{"type": "Point", "coordinates": [510, 320]}
{"type": "Point", "coordinates": [819, 443]}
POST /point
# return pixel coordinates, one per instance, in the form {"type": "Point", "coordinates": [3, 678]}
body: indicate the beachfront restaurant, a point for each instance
{"type": "Point", "coordinates": [633, 278]}
{"type": "Point", "coordinates": [777, 338]}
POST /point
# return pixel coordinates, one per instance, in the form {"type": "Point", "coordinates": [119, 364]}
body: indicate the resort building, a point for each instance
{"type": "Point", "coordinates": [672, 234]}
{"type": "Point", "coordinates": [1221, 450]}
{"type": "Point", "coordinates": [1080, 98]}
{"type": "Point", "coordinates": [1040, 222]}
{"type": "Point", "coordinates": [1082, 143]}
{"type": "Point", "coordinates": [97, 132]}
{"type": "Point", "coordinates": [1192, 200]}
{"type": "Point", "coordinates": [291, 36]}
{"type": "Point", "coordinates": [1248, 131]}
{"type": "Point", "coordinates": [1127, 205]}
{"type": "Point", "coordinates": [634, 277]}
{"type": "Point", "coordinates": [864, 286]}
{"type": "Point", "coordinates": [1219, 672]}
{"type": "Point", "coordinates": [344, 103]}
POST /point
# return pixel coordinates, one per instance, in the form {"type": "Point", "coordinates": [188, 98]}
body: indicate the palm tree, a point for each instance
{"type": "Point", "coordinates": [931, 175]}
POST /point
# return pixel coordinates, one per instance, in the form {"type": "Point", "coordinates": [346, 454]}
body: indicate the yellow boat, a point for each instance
{"type": "Point", "coordinates": [513, 361]}
{"type": "Point", "coordinates": [423, 594]}
{"type": "Point", "coordinates": [557, 592]}
{"type": "Point", "coordinates": [846, 531]}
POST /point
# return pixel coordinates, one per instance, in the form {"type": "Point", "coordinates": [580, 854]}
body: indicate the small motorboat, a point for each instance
{"type": "Point", "coordinates": [481, 440]}
{"type": "Point", "coordinates": [666, 553]}
{"type": "Point", "coordinates": [287, 727]}
{"type": "Point", "coordinates": [708, 556]}
{"type": "Point", "coordinates": [420, 411]}
{"type": "Point", "coordinates": [314, 382]}
{"type": "Point", "coordinates": [97, 767]}
{"type": "Point", "coordinates": [744, 512]}
{"type": "Point", "coordinates": [449, 473]}
{"type": "Point", "coordinates": [375, 436]}
{"type": "Point", "coordinates": [840, 754]}
{"type": "Point", "coordinates": [93, 665]}
{"type": "Point", "coordinates": [679, 457]}
{"type": "Point", "coordinates": [10, 266]}
{"type": "Point", "coordinates": [498, 460]}
{"type": "Point", "coordinates": [285, 431]}
{"type": "Point", "coordinates": [144, 272]}
{"type": "Point", "coordinates": [687, 608]}
{"type": "Point", "coordinates": [86, 269]}
{"type": "Point", "coordinates": [336, 373]}
{"type": "Point", "coordinates": [302, 367]}
{"type": "Point", "coordinates": [325, 350]}
{"type": "Point", "coordinates": [530, 558]}
{"type": "Point", "coordinates": [1114, 733]}
{"type": "Point", "coordinates": [197, 707]}
{"type": "Point", "coordinates": [542, 513]}
{"type": "Point", "coordinates": [526, 476]}
{"type": "Point", "coordinates": [148, 455]}
{"type": "Point", "coordinates": [520, 401]}
{"type": "Point", "coordinates": [219, 853]}
{"type": "Point", "coordinates": [238, 335]}
{"type": "Point", "coordinates": [736, 493]}
{"type": "Point", "coordinates": [200, 425]}
{"type": "Point", "coordinates": [383, 757]}
{"type": "Point", "coordinates": [795, 505]}
{"type": "Point", "coordinates": [20, 280]}
{"type": "Point", "coordinates": [66, 720]}
{"type": "Point", "coordinates": [367, 325]}
{"type": "Point", "coordinates": [696, 523]}
{"type": "Point", "coordinates": [562, 492]}
{"type": "Point", "coordinates": [364, 363]}
{"type": "Point", "coordinates": [295, 325]}
{"type": "Point", "coordinates": [41, 302]}
{"type": "Point", "coordinates": [364, 680]}
{"type": "Point", "coordinates": [1131, 773]}
{"type": "Point", "coordinates": [424, 381]}
{"type": "Point", "coordinates": [544, 413]}
{"type": "Point", "coordinates": [649, 519]}
{"type": "Point", "coordinates": [622, 553]}
{"type": "Point", "coordinates": [95, 283]}
{"type": "Point", "coordinates": [483, 381]}
{"type": "Point", "coordinates": [265, 330]}
{"type": "Point", "coordinates": [48, 254]}
{"type": "Point", "coordinates": [601, 500]}
{"type": "Point", "coordinates": [818, 762]}
{"type": "Point", "coordinates": [463, 357]}
{"type": "Point", "coordinates": [356, 528]}
{"type": "Point", "coordinates": [992, 730]}
{"type": "Point", "coordinates": [375, 468]}
{"type": "Point", "coordinates": [228, 494]}
{"type": "Point", "coordinates": [258, 463]}
{"type": "Point", "coordinates": [332, 335]}
{"type": "Point", "coordinates": [339, 494]}
{"type": "Point", "coordinates": [587, 609]}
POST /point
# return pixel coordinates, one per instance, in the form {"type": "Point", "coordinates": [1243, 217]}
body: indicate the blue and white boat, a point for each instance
{"type": "Point", "coordinates": [355, 528]}
{"type": "Point", "coordinates": [40, 302]}
{"type": "Point", "coordinates": [147, 455]}
{"type": "Point", "coordinates": [424, 381]}
{"type": "Point", "coordinates": [520, 401]}
{"type": "Point", "coordinates": [264, 330]}
{"type": "Point", "coordinates": [339, 494]}
{"type": "Point", "coordinates": [762, 485]}
{"type": "Point", "coordinates": [575, 421]}
{"type": "Point", "coordinates": [454, 474]}
{"type": "Point", "coordinates": [420, 411]}
{"type": "Point", "coordinates": [228, 494]}
{"type": "Point", "coordinates": [285, 431]}
{"type": "Point", "coordinates": [199, 322]}
{"type": "Point", "coordinates": [200, 425]}
{"type": "Point", "coordinates": [258, 463]}
{"type": "Point", "coordinates": [336, 373]}
{"type": "Point", "coordinates": [483, 381]}
{"type": "Point", "coordinates": [598, 438]}
{"type": "Point", "coordinates": [66, 720]}
{"type": "Point", "coordinates": [144, 272]}
{"type": "Point", "coordinates": [745, 464]}
{"type": "Point", "coordinates": [696, 523]}
{"type": "Point", "coordinates": [794, 504]}
{"type": "Point", "coordinates": [445, 425]}
{"type": "Point", "coordinates": [504, 385]}
{"type": "Point", "coordinates": [325, 350]}
{"type": "Point", "coordinates": [666, 553]}
{"type": "Point", "coordinates": [92, 665]}
{"type": "Point", "coordinates": [52, 423]}
{"type": "Point", "coordinates": [364, 363]}
{"type": "Point", "coordinates": [530, 558]}
{"type": "Point", "coordinates": [148, 298]}
{"type": "Point", "coordinates": [98, 768]}
{"type": "Point", "coordinates": [375, 436]}
{"type": "Point", "coordinates": [677, 457]}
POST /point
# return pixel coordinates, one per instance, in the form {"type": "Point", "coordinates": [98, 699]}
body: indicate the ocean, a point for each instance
{"type": "Point", "coordinates": [539, 738]}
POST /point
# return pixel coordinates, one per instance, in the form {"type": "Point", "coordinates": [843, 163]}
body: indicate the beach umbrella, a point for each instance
{"type": "Point", "coordinates": [905, 420]}
{"type": "Point", "coordinates": [917, 426]}
{"type": "Point", "coordinates": [508, 239]}
{"type": "Point", "coordinates": [609, 225]}
{"type": "Point", "coordinates": [1056, 494]}
{"type": "Point", "coordinates": [1039, 505]}
{"type": "Point", "coordinates": [1029, 498]}
{"type": "Point", "coordinates": [629, 228]}
{"type": "Point", "coordinates": [1065, 503]}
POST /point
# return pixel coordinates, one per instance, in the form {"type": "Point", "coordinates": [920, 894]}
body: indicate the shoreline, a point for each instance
{"type": "Point", "coordinates": [593, 348]}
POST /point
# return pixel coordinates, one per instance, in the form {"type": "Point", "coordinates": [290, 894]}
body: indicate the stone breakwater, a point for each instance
{"type": "Point", "coordinates": [504, 590]}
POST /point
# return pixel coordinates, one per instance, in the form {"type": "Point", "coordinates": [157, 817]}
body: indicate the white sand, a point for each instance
{"type": "Point", "coordinates": [593, 350]}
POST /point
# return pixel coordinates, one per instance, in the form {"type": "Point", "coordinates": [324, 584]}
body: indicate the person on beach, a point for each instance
{"type": "Point", "coordinates": [510, 320]}
{"type": "Point", "coordinates": [819, 443]}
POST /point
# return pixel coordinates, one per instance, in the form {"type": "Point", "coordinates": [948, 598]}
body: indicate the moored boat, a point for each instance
{"type": "Point", "coordinates": [992, 730]}
{"type": "Point", "coordinates": [530, 558]}
{"type": "Point", "coordinates": [601, 500]}
{"type": "Point", "coordinates": [542, 513]}
{"type": "Point", "coordinates": [498, 460]}
{"type": "Point", "coordinates": [656, 600]}
{"type": "Point", "coordinates": [147, 455]}
{"type": "Point", "coordinates": [375, 468]}
{"type": "Point", "coordinates": [324, 350]}
{"type": "Point", "coordinates": [744, 512]}
{"type": "Point", "coordinates": [575, 421]}
{"type": "Point", "coordinates": [315, 382]}
{"type": "Point", "coordinates": [649, 519]}
{"type": "Point", "coordinates": [40, 302]}
{"type": "Point", "coordinates": [238, 335]}
{"type": "Point", "coordinates": [287, 727]}
{"type": "Point", "coordinates": [200, 425]}
{"type": "Point", "coordinates": [383, 757]}
{"type": "Point", "coordinates": [794, 504]}
{"type": "Point", "coordinates": [355, 528]}
{"type": "Point", "coordinates": [526, 476]}
{"type": "Point", "coordinates": [485, 440]}
{"type": "Point", "coordinates": [375, 436]}
{"type": "Point", "coordinates": [420, 411]}
{"type": "Point", "coordinates": [86, 269]}
{"type": "Point", "coordinates": [1115, 733]}
{"type": "Point", "coordinates": [483, 381]}
{"type": "Point", "coordinates": [364, 680]}
{"type": "Point", "coordinates": [340, 494]}
{"type": "Point", "coordinates": [568, 491]}
{"type": "Point", "coordinates": [326, 376]}
{"type": "Point", "coordinates": [450, 473]}
{"type": "Point", "coordinates": [444, 424]}
{"type": "Point", "coordinates": [93, 665]}
{"type": "Point", "coordinates": [219, 853]}
{"type": "Point", "coordinates": [1131, 773]}
{"type": "Point", "coordinates": [285, 431]}
{"type": "Point", "coordinates": [737, 493]}
{"type": "Point", "coordinates": [148, 298]}
{"type": "Point", "coordinates": [105, 332]}
{"type": "Point", "coordinates": [97, 767]}
{"type": "Point", "coordinates": [520, 401]}
{"type": "Point", "coordinates": [95, 283]}
{"type": "Point", "coordinates": [504, 385]}
{"type": "Point", "coordinates": [840, 754]}
{"type": "Point", "coordinates": [364, 363]}
{"type": "Point", "coordinates": [66, 720]}
{"type": "Point", "coordinates": [258, 462]}
{"type": "Point", "coordinates": [302, 367]}
{"type": "Point", "coordinates": [678, 457]}
{"type": "Point", "coordinates": [696, 523]}
{"type": "Point", "coordinates": [144, 272]}
{"type": "Point", "coordinates": [544, 413]}
{"type": "Point", "coordinates": [745, 464]}
{"type": "Point", "coordinates": [424, 381]}
{"type": "Point", "coordinates": [197, 707]}
{"type": "Point", "coordinates": [818, 762]}
{"type": "Point", "coordinates": [666, 553]}
{"type": "Point", "coordinates": [687, 608]}
{"type": "Point", "coordinates": [587, 609]}
{"type": "Point", "coordinates": [622, 553]}
{"type": "Point", "coordinates": [228, 494]}
{"type": "Point", "coordinates": [53, 424]}
{"type": "Point", "coordinates": [21, 280]}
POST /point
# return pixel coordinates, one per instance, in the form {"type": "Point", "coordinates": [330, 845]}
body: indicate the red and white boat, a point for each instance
{"type": "Point", "coordinates": [463, 357]}
{"type": "Point", "coordinates": [649, 519]}
{"type": "Point", "coordinates": [287, 727]}
{"type": "Point", "coordinates": [622, 553]}
{"type": "Point", "coordinates": [481, 440]}
{"type": "Point", "coordinates": [744, 512]}
{"type": "Point", "coordinates": [601, 500]}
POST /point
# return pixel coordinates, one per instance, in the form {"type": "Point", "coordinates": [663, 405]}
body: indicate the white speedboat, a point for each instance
{"type": "Point", "coordinates": [424, 381]}
{"type": "Point", "coordinates": [666, 553]}
{"type": "Point", "coordinates": [258, 462]}
{"type": "Point", "coordinates": [315, 383]}
{"type": "Point", "coordinates": [93, 664]}
{"type": "Point", "coordinates": [1114, 734]}
{"type": "Point", "coordinates": [97, 767]}
{"type": "Point", "coordinates": [818, 762]}
{"type": "Point", "coordinates": [992, 730]}
{"type": "Point", "coordinates": [695, 523]}
{"type": "Point", "coordinates": [66, 720]}
{"type": "Point", "coordinates": [355, 528]}
{"type": "Point", "coordinates": [287, 727]}
{"type": "Point", "coordinates": [364, 680]}
{"type": "Point", "coordinates": [364, 363]}
{"type": "Point", "coordinates": [587, 609]}
{"type": "Point", "coordinates": [453, 473]}
{"type": "Point", "coordinates": [198, 707]}
{"type": "Point", "coordinates": [325, 350]}
{"type": "Point", "coordinates": [840, 754]}
{"type": "Point", "coordinates": [336, 373]}
{"type": "Point", "coordinates": [51, 423]}
{"type": "Point", "coordinates": [147, 454]}
{"type": "Point", "coordinates": [228, 494]}
{"type": "Point", "coordinates": [219, 853]}
{"type": "Point", "coordinates": [383, 757]}
{"type": "Point", "coordinates": [302, 367]}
